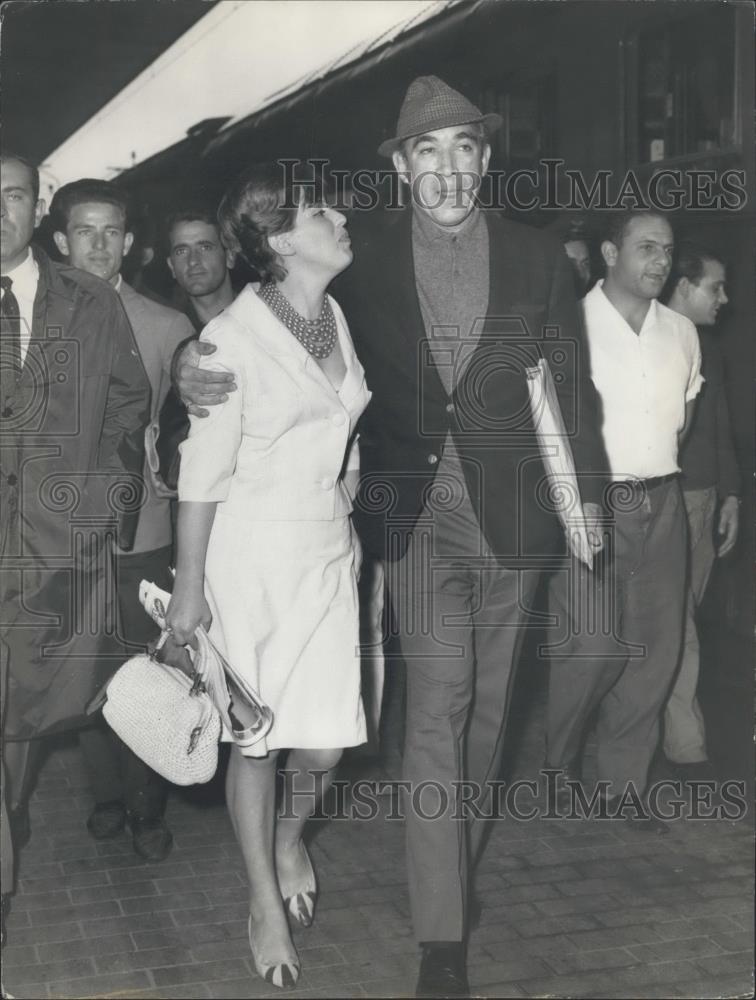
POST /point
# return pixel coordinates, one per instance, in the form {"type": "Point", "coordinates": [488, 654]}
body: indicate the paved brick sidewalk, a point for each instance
{"type": "Point", "coordinates": [570, 908]}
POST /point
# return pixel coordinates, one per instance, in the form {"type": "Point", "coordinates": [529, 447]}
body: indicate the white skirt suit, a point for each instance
{"type": "Point", "coordinates": [282, 560]}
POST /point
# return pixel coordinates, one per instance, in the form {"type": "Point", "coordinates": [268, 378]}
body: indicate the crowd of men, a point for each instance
{"type": "Point", "coordinates": [87, 366]}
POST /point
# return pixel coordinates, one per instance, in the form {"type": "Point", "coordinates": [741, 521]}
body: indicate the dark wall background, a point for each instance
{"type": "Point", "coordinates": [582, 52]}
{"type": "Point", "coordinates": [61, 61]}
{"type": "Point", "coordinates": [579, 52]}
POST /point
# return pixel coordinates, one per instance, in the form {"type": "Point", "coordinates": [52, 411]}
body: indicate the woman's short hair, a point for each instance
{"type": "Point", "coordinates": [263, 202]}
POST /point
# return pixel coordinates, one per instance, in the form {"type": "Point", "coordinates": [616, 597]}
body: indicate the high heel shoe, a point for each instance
{"type": "Point", "coordinates": [281, 974]}
{"type": "Point", "coordinates": [299, 900]}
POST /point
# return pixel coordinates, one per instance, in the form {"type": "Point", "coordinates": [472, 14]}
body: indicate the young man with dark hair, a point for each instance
{"type": "Point", "coordinates": [91, 230]}
{"type": "Point", "coordinates": [711, 489]}
{"type": "Point", "coordinates": [199, 262]}
{"type": "Point", "coordinates": [623, 624]}
{"type": "Point", "coordinates": [201, 266]}
{"type": "Point", "coordinates": [576, 239]}
{"type": "Point", "coordinates": [75, 402]}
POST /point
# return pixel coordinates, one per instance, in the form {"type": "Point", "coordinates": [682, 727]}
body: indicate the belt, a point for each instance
{"type": "Point", "coordinates": [647, 484]}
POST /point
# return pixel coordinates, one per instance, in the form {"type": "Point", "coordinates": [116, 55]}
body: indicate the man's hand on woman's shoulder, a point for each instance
{"type": "Point", "coordinates": [200, 387]}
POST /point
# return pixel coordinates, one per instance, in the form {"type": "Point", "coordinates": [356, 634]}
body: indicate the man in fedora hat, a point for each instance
{"type": "Point", "coordinates": [448, 305]}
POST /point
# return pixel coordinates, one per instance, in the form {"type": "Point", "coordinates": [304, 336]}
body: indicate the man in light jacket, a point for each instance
{"type": "Point", "coordinates": [91, 232]}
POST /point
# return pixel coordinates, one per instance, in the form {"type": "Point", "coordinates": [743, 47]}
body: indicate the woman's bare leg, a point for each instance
{"type": "Point", "coordinates": [307, 776]}
{"type": "Point", "coordinates": [250, 793]}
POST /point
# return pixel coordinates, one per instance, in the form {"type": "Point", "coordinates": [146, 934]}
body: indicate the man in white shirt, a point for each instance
{"type": "Point", "coordinates": [92, 233]}
{"type": "Point", "coordinates": [620, 628]}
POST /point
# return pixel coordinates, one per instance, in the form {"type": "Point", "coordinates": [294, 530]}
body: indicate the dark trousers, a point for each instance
{"type": "Point", "coordinates": [620, 630]}
{"type": "Point", "coordinates": [114, 771]}
{"type": "Point", "coordinates": [460, 618]}
{"type": "Point", "coordinates": [6, 842]}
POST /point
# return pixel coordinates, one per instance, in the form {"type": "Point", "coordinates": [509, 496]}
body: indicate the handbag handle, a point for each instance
{"type": "Point", "coordinates": [160, 642]}
{"type": "Point", "coordinates": [197, 688]}
{"type": "Point", "coordinates": [222, 684]}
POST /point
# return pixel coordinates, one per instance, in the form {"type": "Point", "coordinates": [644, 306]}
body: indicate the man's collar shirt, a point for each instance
{"type": "Point", "coordinates": [644, 381]}
{"type": "Point", "coordinates": [25, 278]}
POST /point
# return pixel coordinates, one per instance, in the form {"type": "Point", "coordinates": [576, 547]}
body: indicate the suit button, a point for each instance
{"type": "Point", "coordinates": [432, 459]}
{"type": "Point", "coordinates": [326, 483]}
{"type": "Point", "coordinates": [11, 480]}
{"type": "Point", "coordinates": [337, 419]}
{"type": "Point", "coordinates": [450, 407]}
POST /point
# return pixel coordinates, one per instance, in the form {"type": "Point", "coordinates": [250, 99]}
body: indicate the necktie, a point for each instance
{"type": "Point", "coordinates": [10, 345]}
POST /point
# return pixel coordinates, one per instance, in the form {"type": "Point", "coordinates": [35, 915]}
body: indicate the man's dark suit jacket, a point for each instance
{"type": "Point", "coordinates": [532, 311]}
{"type": "Point", "coordinates": [71, 452]}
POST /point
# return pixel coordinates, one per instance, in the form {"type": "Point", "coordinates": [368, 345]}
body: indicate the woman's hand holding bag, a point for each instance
{"type": "Point", "coordinates": [242, 711]}
{"type": "Point", "coordinates": [187, 610]}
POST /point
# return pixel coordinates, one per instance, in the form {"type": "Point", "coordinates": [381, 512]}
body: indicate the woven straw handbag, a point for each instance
{"type": "Point", "coordinates": [167, 718]}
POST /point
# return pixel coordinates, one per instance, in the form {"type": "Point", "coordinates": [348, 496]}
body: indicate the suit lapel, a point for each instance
{"type": "Point", "coordinates": [133, 304]}
{"type": "Point", "coordinates": [507, 315]}
{"type": "Point", "coordinates": [410, 326]}
{"type": "Point", "coordinates": [506, 288]}
{"type": "Point", "coordinates": [402, 279]}
{"type": "Point", "coordinates": [44, 302]}
{"type": "Point", "coordinates": [51, 321]}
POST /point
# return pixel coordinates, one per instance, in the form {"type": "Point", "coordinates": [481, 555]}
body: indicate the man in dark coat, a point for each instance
{"type": "Point", "coordinates": [75, 401]}
{"type": "Point", "coordinates": [448, 305]}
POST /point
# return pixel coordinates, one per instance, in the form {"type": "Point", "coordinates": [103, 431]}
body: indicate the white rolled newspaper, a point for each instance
{"type": "Point", "coordinates": [563, 489]}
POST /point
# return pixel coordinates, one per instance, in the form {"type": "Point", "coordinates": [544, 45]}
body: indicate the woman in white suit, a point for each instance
{"type": "Point", "coordinates": [267, 559]}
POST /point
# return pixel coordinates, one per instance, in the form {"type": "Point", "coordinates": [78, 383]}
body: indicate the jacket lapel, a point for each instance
{"type": "Point", "coordinates": [410, 326]}
{"type": "Point", "coordinates": [402, 279]}
{"type": "Point", "coordinates": [132, 303]}
{"type": "Point", "coordinates": [51, 320]}
{"type": "Point", "coordinates": [506, 288]}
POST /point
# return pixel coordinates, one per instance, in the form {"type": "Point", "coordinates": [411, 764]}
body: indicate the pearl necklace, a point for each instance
{"type": "Point", "coordinates": [317, 336]}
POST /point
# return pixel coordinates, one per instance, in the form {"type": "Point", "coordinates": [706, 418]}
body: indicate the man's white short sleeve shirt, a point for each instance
{"type": "Point", "coordinates": [644, 381]}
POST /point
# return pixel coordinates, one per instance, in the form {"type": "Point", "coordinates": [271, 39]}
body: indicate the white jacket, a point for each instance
{"type": "Point", "coordinates": [277, 448]}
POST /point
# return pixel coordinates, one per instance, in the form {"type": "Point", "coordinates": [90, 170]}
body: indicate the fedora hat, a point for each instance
{"type": "Point", "coordinates": [431, 104]}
